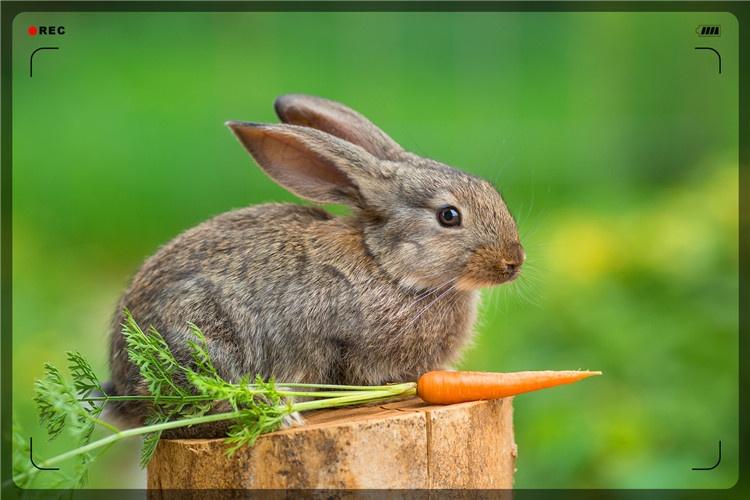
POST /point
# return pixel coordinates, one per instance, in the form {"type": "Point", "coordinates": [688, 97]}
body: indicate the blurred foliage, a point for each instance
{"type": "Point", "coordinates": [614, 143]}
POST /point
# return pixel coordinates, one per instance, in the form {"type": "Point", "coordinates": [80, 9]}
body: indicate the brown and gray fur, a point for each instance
{"type": "Point", "coordinates": [381, 295]}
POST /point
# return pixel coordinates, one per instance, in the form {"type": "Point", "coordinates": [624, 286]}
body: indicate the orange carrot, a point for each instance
{"type": "Point", "coordinates": [447, 387]}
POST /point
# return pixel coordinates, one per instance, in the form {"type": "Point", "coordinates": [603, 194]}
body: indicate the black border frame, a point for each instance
{"type": "Point", "coordinates": [8, 11]}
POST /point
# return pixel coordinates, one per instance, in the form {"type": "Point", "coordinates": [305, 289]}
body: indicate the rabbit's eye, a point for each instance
{"type": "Point", "coordinates": [449, 216]}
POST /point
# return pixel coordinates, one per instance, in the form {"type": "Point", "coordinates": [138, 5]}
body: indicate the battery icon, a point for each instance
{"type": "Point", "coordinates": [708, 30]}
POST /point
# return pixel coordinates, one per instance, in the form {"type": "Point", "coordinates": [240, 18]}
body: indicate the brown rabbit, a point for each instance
{"type": "Point", "coordinates": [381, 295]}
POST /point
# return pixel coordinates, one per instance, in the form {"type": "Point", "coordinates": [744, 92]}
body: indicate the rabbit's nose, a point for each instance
{"type": "Point", "coordinates": [513, 261]}
{"type": "Point", "coordinates": [510, 267]}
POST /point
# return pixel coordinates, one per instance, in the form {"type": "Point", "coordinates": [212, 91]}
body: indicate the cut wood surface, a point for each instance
{"type": "Point", "coordinates": [406, 444]}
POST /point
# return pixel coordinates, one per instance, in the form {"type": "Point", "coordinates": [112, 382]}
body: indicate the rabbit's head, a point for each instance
{"type": "Point", "coordinates": [426, 224]}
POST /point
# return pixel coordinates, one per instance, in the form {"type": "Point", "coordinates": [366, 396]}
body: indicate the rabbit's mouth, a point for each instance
{"type": "Point", "coordinates": [487, 268]}
{"type": "Point", "coordinates": [508, 275]}
{"type": "Point", "coordinates": [472, 282]}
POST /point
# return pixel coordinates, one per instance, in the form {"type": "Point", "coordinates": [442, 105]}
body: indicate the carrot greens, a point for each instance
{"type": "Point", "coordinates": [179, 396]}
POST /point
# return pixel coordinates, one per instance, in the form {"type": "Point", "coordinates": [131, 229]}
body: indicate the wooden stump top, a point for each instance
{"type": "Point", "coordinates": [406, 444]}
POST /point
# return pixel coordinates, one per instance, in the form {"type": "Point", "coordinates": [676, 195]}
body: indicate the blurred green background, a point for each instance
{"type": "Point", "coordinates": [613, 140]}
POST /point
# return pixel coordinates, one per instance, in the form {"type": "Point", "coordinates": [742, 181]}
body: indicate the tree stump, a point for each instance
{"type": "Point", "coordinates": [403, 445]}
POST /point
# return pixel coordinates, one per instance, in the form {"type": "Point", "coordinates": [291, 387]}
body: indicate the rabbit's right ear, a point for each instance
{"type": "Point", "coordinates": [308, 162]}
{"type": "Point", "coordinates": [336, 119]}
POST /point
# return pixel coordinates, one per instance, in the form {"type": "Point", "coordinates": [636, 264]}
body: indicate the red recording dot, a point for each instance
{"type": "Point", "coordinates": [32, 30]}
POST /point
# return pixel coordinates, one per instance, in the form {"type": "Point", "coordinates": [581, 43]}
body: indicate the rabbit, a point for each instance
{"type": "Point", "coordinates": [381, 295]}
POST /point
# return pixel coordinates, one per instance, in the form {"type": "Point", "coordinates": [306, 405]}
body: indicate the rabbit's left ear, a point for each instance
{"type": "Point", "coordinates": [338, 120]}
{"type": "Point", "coordinates": [310, 163]}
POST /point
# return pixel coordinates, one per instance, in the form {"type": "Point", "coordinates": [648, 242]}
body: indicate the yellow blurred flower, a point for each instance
{"type": "Point", "coordinates": [582, 249]}
{"type": "Point", "coordinates": [677, 233]}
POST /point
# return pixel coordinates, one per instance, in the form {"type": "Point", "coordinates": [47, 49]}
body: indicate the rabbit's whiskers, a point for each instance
{"type": "Point", "coordinates": [433, 301]}
{"type": "Point", "coordinates": [435, 290]}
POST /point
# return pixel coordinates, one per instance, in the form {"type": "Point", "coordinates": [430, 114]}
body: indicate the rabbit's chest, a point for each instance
{"type": "Point", "coordinates": [403, 338]}
{"type": "Point", "coordinates": [441, 323]}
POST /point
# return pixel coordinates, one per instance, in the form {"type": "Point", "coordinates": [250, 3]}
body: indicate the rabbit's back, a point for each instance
{"type": "Point", "coordinates": [227, 275]}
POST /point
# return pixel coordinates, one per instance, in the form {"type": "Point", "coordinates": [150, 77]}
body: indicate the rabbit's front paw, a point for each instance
{"type": "Point", "coordinates": [292, 420]}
